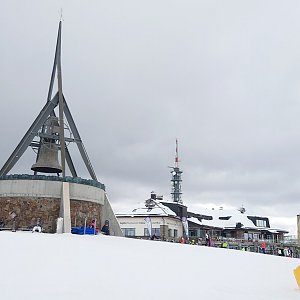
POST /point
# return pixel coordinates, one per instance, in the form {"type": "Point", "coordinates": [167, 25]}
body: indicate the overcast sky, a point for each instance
{"type": "Point", "coordinates": [221, 76]}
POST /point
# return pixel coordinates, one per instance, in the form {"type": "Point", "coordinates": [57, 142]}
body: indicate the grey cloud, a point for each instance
{"type": "Point", "coordinates": [221, 77]}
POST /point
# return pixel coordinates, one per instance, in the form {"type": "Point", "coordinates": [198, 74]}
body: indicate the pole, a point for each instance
{"type": "Point", "coordinates": [84, 226]}
{"type": "Point", "coordinates": [61, 105]}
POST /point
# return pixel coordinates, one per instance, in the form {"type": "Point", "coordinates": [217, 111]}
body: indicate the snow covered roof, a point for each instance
{"type": "Point", "coordinates": [195, 220]}
{"type": "Point", "coordinates": [225, 218]}
{"type": "Point", "coordinates": [221, 218]}
{"type": "Point", "coordinates": [158, 210]}
{"type": "Point", "coordinates": [277, 230]}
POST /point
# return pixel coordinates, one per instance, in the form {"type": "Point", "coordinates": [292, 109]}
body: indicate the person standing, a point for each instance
{"type": "Point", "coordinates": [263, 247]}
{"type": "Point", "coordinates": [154, 237]}
{"type": "Point", "coordinates": [92, 225]}
{"type": "Point", "coordinates": [224, 244]}
{"type": "Point", "coordinates": [105, 228]}
{"type": "Point", "coordinates": [207, 239]}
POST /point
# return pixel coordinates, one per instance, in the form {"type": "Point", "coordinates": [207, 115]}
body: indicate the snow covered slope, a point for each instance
{"type": "Point", "coordinates": [44, 266]}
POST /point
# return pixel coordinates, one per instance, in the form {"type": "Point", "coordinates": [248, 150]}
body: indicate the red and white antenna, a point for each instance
{"type": "Point", "coordinates": [176, 156]}
{"type": "Point", "coordinates": [176, 179]}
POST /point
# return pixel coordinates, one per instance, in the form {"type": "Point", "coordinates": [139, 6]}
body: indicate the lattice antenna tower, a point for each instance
{"type": "Point", "coordinates": [176, 179]}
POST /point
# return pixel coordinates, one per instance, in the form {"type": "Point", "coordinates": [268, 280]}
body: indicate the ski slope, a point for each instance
{"type": "Point", "coordinates": [37, 266]}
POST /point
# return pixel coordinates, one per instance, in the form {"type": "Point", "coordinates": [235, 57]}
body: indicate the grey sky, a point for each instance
{"type": "Point", "coordinates": [221, 76]}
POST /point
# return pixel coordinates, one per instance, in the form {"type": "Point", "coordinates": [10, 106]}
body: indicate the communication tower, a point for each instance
{"type": "Point", "coordinates": [176, 179]}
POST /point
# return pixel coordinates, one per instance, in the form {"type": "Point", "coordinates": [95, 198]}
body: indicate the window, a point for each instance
{"type": "Point", "coordinates": [128, 231]}
{"type": "Point", "coordinates": [251, 236]}
{"type": "Point", "coordinates": [175, 233]}
{"type": "Point", "coordinates": [155, 231]}
{"type": "Point", "coordinates": [261, 223]}
{"type": "Point", "coordinates": [193, 233]}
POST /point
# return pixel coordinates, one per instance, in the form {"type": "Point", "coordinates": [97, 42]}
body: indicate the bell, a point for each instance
{"type": "Point", "coordinates": [48, 159]}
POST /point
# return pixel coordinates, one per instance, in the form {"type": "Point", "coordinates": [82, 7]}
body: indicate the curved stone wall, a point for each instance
{"type": "Point", "coordinates": [29, 200]}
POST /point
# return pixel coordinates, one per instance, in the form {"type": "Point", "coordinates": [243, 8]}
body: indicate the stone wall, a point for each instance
{"type": "Point", "coordinates": [38, 197]}
{"type": "Point", "coordinates": [84, 210]}
{"type": "Point", "coordinates": [28, 210]}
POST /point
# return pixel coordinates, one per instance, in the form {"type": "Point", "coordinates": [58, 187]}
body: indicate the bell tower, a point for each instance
{"type": "Point", "coordinates": [60, 202]}
{"type": "Point", "coordinates": [46, 135]}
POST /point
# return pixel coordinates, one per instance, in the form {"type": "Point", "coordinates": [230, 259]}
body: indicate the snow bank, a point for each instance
{"type": "Point", "coordinates": [44, 266]}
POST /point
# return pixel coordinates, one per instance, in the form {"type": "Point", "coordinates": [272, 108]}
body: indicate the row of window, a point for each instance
{"type": "Point", "coordinates": [130, 232]}
{"type": "Point", "coordinates": [156, 231]}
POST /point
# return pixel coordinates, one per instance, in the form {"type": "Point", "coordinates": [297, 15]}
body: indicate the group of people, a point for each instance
{"type": "Point", "coordinates": [208, 241]}
{"type": "Point", "coordinates": [285, 251]}
{"type": "Point", "coordinates": [105, 228]}
{"type": "Point", "coordinates": [288, 252]}
{"type": "Point", "coordinates": [224, 244]}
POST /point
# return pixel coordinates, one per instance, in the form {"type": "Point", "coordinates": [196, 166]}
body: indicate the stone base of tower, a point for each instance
{"type": "Point", "coordinates": [26, 199]}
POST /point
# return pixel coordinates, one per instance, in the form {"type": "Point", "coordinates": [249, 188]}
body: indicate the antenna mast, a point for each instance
{"type": "Point", "coordinates": [176, 179]}
{"type": "Point", "coordinates": [176, 155]}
